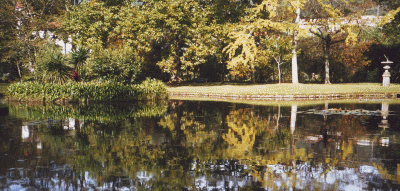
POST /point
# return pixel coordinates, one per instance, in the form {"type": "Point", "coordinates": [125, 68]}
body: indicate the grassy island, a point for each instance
{"type": "Point", "coordinates": [84, 92]}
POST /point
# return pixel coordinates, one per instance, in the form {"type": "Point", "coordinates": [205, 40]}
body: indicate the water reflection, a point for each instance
{"type": "Point", "coordinates": [200, 145]}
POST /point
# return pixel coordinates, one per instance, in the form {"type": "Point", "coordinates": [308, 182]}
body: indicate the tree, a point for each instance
{"type": "Point", "coordinates": [113, 65]}
{"type": "Point", "coordinates": [177, 28]}
{"type": "Point", "coordinates": [25, 24]}
{"type": "Point", "coordinates": [8, 25]}
{"type": "Point", "coordinates": [295, 76]}
{"type": "Point", "coordinates": [334, 22]}
{"type": "Point", "coordinates": [279, 48]}
{"type": "Point", "coordinates": [390, 27]}
{"type": "Point", "coordinates": [8, 35]}
{"type": "Point", "coordinates": [92, 23]}
{"type": "Point", "coordinates": [110, 31]}
{"type": "Point", "coordinates": [223, 17]}
{"type": "Point", "coordinates": [268, 15]}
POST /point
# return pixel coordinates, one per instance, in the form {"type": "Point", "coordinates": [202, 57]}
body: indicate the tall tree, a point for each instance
{"type": "Point", "coordinates": [268, 15]}
{"type": "Point", "coordinates": [278, 48]}
{"type": "Point", "coordinates": [8, 35]}
{"type": "Point", "coordinates": [178, 27]}
{"type": "Point", "coordinates": [334, 22]}
{"type": "Point", "coordinates": [93, 24]}
{"type": "Point", "coordinates": [295, 76]}
{"type": "Point", "coordinates": [31, 19]}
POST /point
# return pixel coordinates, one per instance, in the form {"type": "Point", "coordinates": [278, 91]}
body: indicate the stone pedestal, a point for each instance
{"type": "Point", "coordinates": [386, 74]}
{"type": "Point", "coordinates": [386, 79]}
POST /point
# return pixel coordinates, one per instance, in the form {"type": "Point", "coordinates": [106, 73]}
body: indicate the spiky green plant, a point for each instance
{"type": "Point", "coordinates": [51, 65]}
{"type": "Point", "coordinates": [79, 57]}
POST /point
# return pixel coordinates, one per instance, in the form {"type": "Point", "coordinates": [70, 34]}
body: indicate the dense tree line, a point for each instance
{"type": "Point", "coordinates": [221, 40]}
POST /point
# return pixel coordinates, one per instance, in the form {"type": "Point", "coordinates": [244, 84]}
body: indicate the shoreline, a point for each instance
{"type": "Point", "coordinates": [278, 97]}
{"type": "Point", "coordinates": [286, 92]}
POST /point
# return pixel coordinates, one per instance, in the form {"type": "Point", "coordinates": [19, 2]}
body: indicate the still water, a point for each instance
{"type": "Point", "coordinates": [194, 145]}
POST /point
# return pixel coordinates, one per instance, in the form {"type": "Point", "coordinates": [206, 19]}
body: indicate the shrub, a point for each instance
{"type": "Point", "coordinates": [151, 89]}
{"type": "Point", "coordinates": [79, 57]}
{"type": "Point", "coordinates": [51, 65]}
{"type": "Point", "coordinates": [97, 92]}
{"type": "Point", "coordinates": [112, 65]}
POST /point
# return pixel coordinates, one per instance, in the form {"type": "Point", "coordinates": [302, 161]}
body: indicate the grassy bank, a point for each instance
{"type": "Point", "coordinates": [285, 89]}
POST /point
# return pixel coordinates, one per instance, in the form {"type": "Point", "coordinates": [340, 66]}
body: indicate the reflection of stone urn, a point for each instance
{"type": "Point", "coordinates": [384, 113]}
{"type": "Point", "coordinates": [386, 75]}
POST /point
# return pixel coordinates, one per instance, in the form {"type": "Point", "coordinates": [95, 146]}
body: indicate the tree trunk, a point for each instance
{"type": "Point", "coordinates": [295, 76]}
{"type": "Point", "coordinates": [253, 80]}
{"type": "Point", "coordinates": [279, 73]}
{"type": "Point", "coordinates": [177, 60]}
{"type": "Point", "coordinates": [326, 56]}
{"type": "Point", "coordinates": [19, 71]}
{"type": "Point", "coordinates": [223, 73]}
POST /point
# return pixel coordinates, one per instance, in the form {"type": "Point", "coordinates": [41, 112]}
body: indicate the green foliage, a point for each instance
{"type": "Point", "coordinates": [267, 16]}
{"type": "Point", "coordinates": [390, 31]}
{"type": "Point", "coordinates": [331, 27]}
{"type": "Point", "coordinates": [276, 48]}
{"type": "Point", "coordinates": [20, 24]}
{"type": "Point", "coordinates": [188, 38]}
{"type": "Point", "coordinates": [7, 25]}
{"type": "Point", "coordinates": [119, 65]}
{"type": "Point", "coordinates": [91, 24]}
{"type": "Point", "coordinates": [178, 26]}
{"type": "Point", "coordinates": [376, 54]}
{"type": "Point", "coordinates": [84, 92]}
{"type": "Point", "coordinates": [151, 89]}
{"type": "Point", "coordinates": [51, 65]}
{"type": "Point", "coordinates": [79, 57]}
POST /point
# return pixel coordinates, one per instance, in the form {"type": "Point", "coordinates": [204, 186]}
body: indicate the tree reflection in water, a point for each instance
{"type": "Point", "coordinates": [199, 145]}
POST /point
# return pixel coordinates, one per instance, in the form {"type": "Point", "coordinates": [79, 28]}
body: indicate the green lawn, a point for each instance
{"type": "Point", "coordinates": [285, 89]}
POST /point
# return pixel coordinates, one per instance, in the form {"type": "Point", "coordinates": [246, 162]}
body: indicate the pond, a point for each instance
{"type": "Point", "coordinates": [201, 145]}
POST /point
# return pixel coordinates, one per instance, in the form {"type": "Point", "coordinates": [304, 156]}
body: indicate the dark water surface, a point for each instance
{"type": "Point", "coordinates": [193, 145]}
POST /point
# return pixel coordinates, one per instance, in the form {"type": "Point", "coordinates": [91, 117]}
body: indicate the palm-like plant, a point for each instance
{"type": "Point", "coordinates": [79, 57]}
{"type": "Point", "coordinates": [51, 65]}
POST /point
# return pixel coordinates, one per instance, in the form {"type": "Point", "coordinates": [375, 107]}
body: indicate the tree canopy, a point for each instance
{"type": "Point", "coordinates": [219, 40]}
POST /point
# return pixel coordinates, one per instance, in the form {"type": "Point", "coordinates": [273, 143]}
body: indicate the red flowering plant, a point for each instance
{"type": "Point", "coordinates": [75, 76]}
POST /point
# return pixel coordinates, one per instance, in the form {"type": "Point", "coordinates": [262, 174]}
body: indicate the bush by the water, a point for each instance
{"type": "Point", "coordinates": [150, 89]}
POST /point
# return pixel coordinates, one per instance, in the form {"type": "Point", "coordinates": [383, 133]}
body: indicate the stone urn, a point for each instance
{"type": "Point", "coordinates": [386, 75]}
